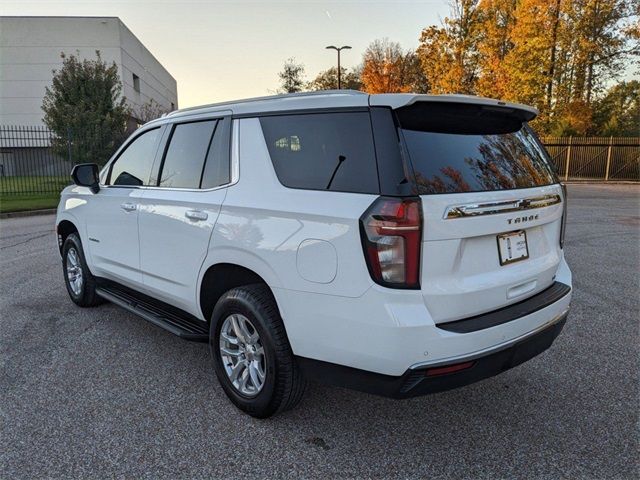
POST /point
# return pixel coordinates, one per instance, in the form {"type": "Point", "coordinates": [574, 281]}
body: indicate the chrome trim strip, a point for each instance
{"type": "Point", "coordinates": [477, 209]}
{"type": "Point", "coordinates": [493, 349]}
{"type": "Point", "coordinates": [235, 152]}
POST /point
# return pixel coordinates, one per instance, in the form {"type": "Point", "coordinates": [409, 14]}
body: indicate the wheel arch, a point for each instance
{"type": "Point", "coordinates": [222, 277]}
{"type": "Point", "coordinates": [64, 228]}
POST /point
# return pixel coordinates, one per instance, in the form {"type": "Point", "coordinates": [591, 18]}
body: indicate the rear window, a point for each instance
{"type": "Point", "coordinates": [323, 151]}
{"type": "Point", "coordinates": [472, 153]}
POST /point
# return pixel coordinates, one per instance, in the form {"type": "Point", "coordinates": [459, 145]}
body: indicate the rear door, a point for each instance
{"type": "Point", "coordinates": [178, 213]}
{"type": "Point", "coordinates": [492, 208]}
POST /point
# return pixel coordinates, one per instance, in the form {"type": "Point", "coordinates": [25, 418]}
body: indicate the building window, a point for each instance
{"type": "Point", "coordinates": [136, 83]}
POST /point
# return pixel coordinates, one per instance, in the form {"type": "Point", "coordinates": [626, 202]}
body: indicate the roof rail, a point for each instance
{"type": "Point", "coordinates": [268, 97]}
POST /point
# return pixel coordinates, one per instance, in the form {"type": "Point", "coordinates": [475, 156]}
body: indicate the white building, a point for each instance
{"type": "Point", "coordinates": [30, 49]}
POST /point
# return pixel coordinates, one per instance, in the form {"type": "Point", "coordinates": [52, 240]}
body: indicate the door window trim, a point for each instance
{"type": "Point", "coordinates": [108, 168]}
{"type": "Point", "coordinates": [165, 149]}
{"type": "Point", "coordinates": [234, 156]}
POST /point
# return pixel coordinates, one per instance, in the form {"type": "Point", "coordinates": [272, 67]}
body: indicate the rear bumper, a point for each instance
{"type": "Point", "coordinates": [417, 381]}
{"type": "Point", "coordinates": [388, 331]}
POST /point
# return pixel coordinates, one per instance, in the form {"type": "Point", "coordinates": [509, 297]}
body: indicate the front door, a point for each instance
{"type": "Point", "coordinates": [112, 221]}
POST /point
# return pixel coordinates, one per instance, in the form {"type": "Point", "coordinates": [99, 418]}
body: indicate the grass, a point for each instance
{"type": "Point", "coordinates": [20, 203]}
{"type": "Point", "coordinates": [29, 192]}
{"type": "Point", "coordinates": [26, 185]}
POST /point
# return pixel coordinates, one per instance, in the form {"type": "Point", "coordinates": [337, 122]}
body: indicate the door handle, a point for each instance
{"type": "Point", "coordinates": [128, 207]}
{"type": "Point", "coordinates": [196, 215]}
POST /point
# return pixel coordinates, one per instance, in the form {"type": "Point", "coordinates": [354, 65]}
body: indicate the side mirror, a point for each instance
{"type": "Point", "coordinates": [86, 175]}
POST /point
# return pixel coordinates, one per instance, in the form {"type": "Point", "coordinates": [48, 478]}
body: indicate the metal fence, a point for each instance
{"type": "Point", "coordinates": [34, 161]}
{"type": "Point", "coordinates": [595, 158]}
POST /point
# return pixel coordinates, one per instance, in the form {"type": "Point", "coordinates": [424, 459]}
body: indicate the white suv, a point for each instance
{"type": "Point", "coordinates": [397, 244]}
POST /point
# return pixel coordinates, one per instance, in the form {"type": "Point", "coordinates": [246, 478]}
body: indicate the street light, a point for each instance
{"type": "Point", "coordinates": [345, 47]}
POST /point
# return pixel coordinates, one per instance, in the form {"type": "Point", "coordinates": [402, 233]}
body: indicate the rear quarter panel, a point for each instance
{"type": "Point", "coordinates": [263, 224]}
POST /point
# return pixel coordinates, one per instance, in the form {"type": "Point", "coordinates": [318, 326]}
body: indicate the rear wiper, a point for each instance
{"type": "Point", "coordinates": [341, 158]}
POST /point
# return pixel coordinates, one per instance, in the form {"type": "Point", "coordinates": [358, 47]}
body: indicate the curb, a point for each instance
{"type": "Point", "coordinates": [596, 182]}
{"type": "Point", "coordinates": [28, 213]}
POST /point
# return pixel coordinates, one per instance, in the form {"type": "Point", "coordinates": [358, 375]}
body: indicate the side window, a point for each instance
{"type": "Point", "coordinates": [323, 151]}
{"type": "Point", "coordinates": [216, 169]}
{"type": "Point", "coordinates": [183, 162]}
{"type": "Point", "coordinates": [133, 166]}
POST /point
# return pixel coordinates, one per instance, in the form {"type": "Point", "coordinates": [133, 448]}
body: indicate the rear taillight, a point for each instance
{"type": "Point", "coordinates": [391, 232]}
{"type": "Point", "coordinates": [564, 215]}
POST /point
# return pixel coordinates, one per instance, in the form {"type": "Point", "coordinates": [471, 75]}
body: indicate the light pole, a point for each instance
{"type": "Point", "coordinates": [345, 47]}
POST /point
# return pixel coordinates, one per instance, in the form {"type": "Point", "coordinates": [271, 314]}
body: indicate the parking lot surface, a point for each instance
{"type": "Point", "coordinates": [97, 393]}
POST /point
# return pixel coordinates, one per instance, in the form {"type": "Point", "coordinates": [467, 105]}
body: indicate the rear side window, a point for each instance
{"type": "Point", "coordinates": [133, 166]}
{"type": "Point", "coordinates": [323, 151]}
{"type": "Point", "coordinates": [471, 153]}
{"type": "Point", "coordinates": [184, 159]}
{"type": "Point", "coordinates": [216, 169]}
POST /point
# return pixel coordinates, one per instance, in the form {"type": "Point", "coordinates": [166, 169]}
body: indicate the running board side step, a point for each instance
{"type": "Point", "coordinates": [190, 329]}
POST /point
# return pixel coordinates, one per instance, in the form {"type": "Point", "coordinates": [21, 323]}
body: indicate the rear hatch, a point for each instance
{"type": "Point", "coordinates": [492, 206]}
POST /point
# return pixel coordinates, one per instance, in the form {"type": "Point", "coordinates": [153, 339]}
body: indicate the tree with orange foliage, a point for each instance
{"type": "Point", "coordinates": [449, 53]}
{"type": "Point", "coordinates": [496, 22]}
{"type": "Point", "coordinates": [387, 68]}
{"type": "Point", "coordinates": [557, 55]}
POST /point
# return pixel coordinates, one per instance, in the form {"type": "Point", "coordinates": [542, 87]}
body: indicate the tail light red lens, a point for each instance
{"type": "Point", "coordinates": [564, 215]}
{"type": "Point", "coordinates": [391, 232]}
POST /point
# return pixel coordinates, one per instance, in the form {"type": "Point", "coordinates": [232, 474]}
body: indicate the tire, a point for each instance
{"type": "Point", "coordinates": [83, 293]}
{"type": "Point", "coordinates": [282, 384]}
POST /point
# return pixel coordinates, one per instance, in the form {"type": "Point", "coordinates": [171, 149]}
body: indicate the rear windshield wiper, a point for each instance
{"type": "Point", "coordinates": [341, 158]}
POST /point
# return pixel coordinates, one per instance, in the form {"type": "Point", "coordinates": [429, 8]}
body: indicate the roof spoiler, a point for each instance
{"type": "Point", "coordinates": [523, 112]}
{"type": "Point", "coordinates": [459, 114]}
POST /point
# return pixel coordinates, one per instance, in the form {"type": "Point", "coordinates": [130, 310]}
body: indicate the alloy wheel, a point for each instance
{"type": "Point", "coordinates": [242, 355]}
{"type": "Point", "coordinates": [74, 271]}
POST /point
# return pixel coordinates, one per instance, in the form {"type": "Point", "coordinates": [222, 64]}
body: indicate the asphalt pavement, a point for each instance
{"type": "Point", "coordinates": [100, 393]}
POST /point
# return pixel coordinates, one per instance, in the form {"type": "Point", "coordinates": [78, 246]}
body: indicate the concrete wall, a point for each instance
{"type": "Point", "coordinates": [30, 49]}
{"type": "Point", "coordinates": [155, 81]}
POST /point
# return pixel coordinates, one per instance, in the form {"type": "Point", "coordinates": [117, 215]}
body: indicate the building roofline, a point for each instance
{"type": "Point", "coordinates": [122, 24]}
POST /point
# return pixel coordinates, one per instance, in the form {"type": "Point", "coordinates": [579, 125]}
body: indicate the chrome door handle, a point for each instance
{"type": "Point", "coordinates": [128, 207]}
{"type": "Point", "coordinates": [196, 215]}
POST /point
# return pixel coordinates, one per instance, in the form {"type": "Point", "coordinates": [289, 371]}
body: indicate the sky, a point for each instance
{"type": "Point", "coordinates": [224, 50]}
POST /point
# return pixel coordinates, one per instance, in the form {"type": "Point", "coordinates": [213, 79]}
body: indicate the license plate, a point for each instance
{"type": "Point", "coordinates": [512, 247]}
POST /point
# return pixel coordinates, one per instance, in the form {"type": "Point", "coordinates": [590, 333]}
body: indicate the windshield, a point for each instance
{"type": "Point", "coordinates": [455, 162]}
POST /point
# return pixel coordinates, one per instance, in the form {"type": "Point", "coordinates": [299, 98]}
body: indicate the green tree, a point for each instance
{"type": "Point", "coordinates": [328, 79]}
{"type": "Point", "coordinates": [291, 77]}
{"type": "Point", "coordinates": [85, 109]}
{"type": "Point", "coordinates": [617, 113]}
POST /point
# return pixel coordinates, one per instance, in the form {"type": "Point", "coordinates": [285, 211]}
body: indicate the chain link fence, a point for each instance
{"type": "Point", "coordinates": [34, 161]}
